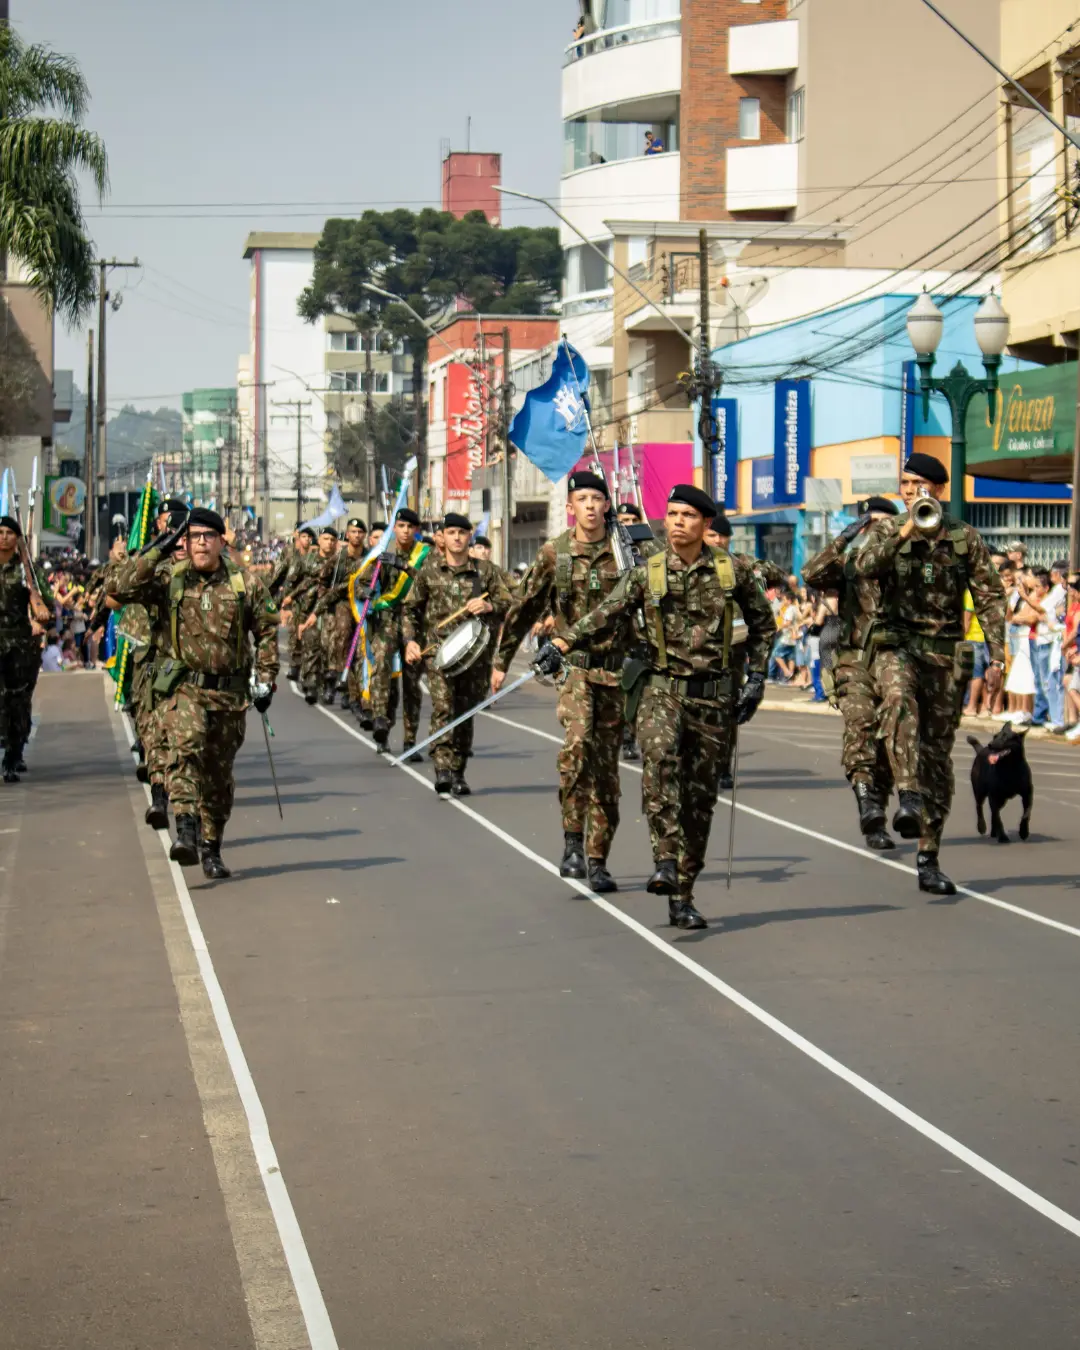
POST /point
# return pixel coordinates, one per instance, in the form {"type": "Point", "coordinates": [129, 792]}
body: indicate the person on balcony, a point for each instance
{"type": "Point", "coordinates": [653, 144]}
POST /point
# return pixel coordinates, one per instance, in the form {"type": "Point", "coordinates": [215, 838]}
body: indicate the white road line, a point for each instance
{"type": "Point", "coordinates": [320, 1332]}
{"type": "Point", "coordinates": [840, 843]}
{"type": "Point", "coordinates": [895, 1108]}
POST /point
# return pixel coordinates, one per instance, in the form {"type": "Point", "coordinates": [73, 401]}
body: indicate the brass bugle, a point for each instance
{"type": "Point", "coordinates": [926, 513]}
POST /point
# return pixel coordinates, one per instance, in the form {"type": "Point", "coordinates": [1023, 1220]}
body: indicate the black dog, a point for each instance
{"type": "Point", "coordinates": [1001, 772]}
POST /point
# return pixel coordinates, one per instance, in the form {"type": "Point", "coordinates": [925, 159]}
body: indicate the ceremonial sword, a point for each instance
{"type": "Point", "coordinates": [734, 792]}
{"type": "Point", "coordinates": [267, 732]}
{"type": "Point", "coordinates": [530, 674]}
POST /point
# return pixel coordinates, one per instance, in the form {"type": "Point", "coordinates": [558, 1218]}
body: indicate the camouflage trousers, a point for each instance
{"type": "Point", "coordinates": [203, 742]}
{"type": "Point", "coordinates": [592, 716]}
{"type": "Point", "coordinates": [449, 699]}
{"type": "Point", "coordinates": [148, 723]}
{"type": "Point", "coordinates": [683, 742]}
{"type": "Point", "coordinates": [863, 755]}
{"type": "Point", "coordinates": [337, 637]}
{"type": "Point", "coordinates": [920, 712]}
{"type": "Point", "coordinates": [292, 642]}
{"type": "Point", "coordinates": [20, 663]}
{"type": "Point", "coordinates": [313, 658]}
{"type": "Point", "coordinates": [386, 642]}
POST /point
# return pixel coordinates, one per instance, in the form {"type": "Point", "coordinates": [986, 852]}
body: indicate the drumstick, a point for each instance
{"type": "Point", "coordinates": [456, 615]}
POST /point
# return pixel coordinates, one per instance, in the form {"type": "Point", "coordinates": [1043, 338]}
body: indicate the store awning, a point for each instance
{"type": "Point", "coordinates": [1031, 440]}
{"type": "Point", "coordinates": [788, 515]}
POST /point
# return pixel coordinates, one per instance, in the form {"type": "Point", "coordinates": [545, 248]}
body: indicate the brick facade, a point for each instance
{"type": "Point", "coordinates": [709, 113]}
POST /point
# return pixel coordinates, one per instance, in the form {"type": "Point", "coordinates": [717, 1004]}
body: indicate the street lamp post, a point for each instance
{"type": "Point", "coordinates": [925, 324]}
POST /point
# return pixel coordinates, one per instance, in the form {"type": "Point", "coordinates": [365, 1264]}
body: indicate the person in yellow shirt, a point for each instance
{"type": "Point", "coordinates": [977, 704]}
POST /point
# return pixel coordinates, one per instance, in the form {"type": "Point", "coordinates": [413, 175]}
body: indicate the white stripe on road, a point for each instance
{"type": "Point", "coordinates": [839, 843]}
{"type": "Point", "coordinates": [316, 1319]}
{"type": "Point", "coordinates": [1007, 1183]}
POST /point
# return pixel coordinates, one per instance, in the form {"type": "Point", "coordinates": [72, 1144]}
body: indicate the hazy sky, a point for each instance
{"type": "Point", "coordinates": [222, 116]}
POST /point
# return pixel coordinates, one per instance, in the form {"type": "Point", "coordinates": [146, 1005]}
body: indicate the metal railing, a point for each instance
{"type": "Point", "coordinates": [620, 37]}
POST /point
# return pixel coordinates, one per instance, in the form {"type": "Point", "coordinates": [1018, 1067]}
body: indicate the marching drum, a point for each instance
{"type": "Point", "coordinates": [462, 647]}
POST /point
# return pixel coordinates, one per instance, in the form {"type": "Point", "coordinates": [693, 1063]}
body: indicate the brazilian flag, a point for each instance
{"type": "Point", "coordinates": [138, 536]}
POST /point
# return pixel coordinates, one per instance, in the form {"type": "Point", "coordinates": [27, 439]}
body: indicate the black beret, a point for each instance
{"type": "Point", "coordinates": [926, 466]}
{"type": "Point", "coordinates": [878, 504]}
{"type": "Point", "coordinates": [171, 504]}
{"type": "Point", "coordinates": [455, 518]}
{"type": "Point", "coordinates": [409, 516]}
{"type": "Point", "coordinates": [482, 540]}
{"type": "Point", "coordinates": [356, 524]}
{"type": "Point", "coordinates": [329, 529]}
{"type": "Point", "coordinates": [308, 531]}
{"type": "Point", "coordinates": [10, 523]}
{"type": "Point", "coordinates": [688, 495]}
{"type": "Point", "coordinates": [629, 509]}
{"type": "Point", "coordinates": [578, 482]}
{"type": "Point", "coordinates": [722, 526]}
{"type": "Point", "coordinates": [378, 525]}
{"type": "Point", "coordinates": [202, 515]}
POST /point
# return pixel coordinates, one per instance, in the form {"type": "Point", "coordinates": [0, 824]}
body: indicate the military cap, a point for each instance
{"type": "Point", "coordinates": [926, 466]}
{"type": "Point", "coordinates": [308, 531]}
{"type": "Point", "coordinates": [482, 541]}
{"type": "Point", "coordinates": [722, 526]}
{"type": "Point", "coordinates": [356, 524]}
{"type": "Point", "coordinates": [171, 504]}
{"type": "Point", "coordinates": [455, 520]}
{"type": "Point", "coordinates": [578, 482]}
{"type": "Point", "coordinates": [408, 515]}
{"type": "Point", "coordinates": [329, 529]}
{"type": "Point", "coordinates": [378, 525]}
{"type": "Point", "coordinates": [10, 523]}
{"type": "Point", "coordinates": [629, 509]}
{"type": "Point", "coordinates": [210, 520]}
{"type": "Point", "coordinates": [878, 504]}
{"type": "Point", "coordinates": [688, 495]}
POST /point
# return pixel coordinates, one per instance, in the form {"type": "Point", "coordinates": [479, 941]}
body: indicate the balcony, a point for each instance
{"type": "Point", "coordinates": [763, 48]}
{"type": "Point", "coordinates": [626, 70]}
{"type": "Point", "coordinates": [624, 36]}
{"type": "Point", "coordinates": [610, 191]}
{"type": "Point", "coordinates": [762, 177]}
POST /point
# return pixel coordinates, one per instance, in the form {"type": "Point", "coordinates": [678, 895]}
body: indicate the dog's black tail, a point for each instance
{"type": "Point", "coordinates": [975, 743]}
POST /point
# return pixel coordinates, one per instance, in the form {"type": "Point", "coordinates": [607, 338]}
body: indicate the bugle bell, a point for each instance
{"type": "Point", "coordinates": [926, 513]}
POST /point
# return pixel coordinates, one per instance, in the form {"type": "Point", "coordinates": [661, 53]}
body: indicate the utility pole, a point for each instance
{"type": "Point", "coordinates": [90, 512]}
{"type": "Point", "coordinates": [104, 266]}
{"type": "Point", "coordinates": [507, 472]}
{"type": "Point", "coordinates": [299, 405]}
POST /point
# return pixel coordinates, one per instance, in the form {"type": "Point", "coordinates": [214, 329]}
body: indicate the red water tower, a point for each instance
{"type": "Point", "coordinates": [469, 180]}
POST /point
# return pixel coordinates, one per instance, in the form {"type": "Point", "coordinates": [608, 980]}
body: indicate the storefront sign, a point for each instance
{"type": "Point", "coordinates": [791, 441]}
{"type": "Point", "coordinates": [1035, 421]}
{"type": "Point", "coordinates": [762, 482]}
{"type": "Point", "coordinates": [873, 474]}
{"type": "Point", "coordinates": [725, 462]}
{"type": "Point", "coordinates": [466, 415]}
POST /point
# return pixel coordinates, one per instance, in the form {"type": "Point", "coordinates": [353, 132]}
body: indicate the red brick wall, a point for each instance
{"type": "Point", "coordinates": [709, 112]}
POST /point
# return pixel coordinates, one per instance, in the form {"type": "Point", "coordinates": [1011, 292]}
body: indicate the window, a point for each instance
{"type": "Point", "coordinates": [344, 342]}
{"type": "Point", "coordinates": [749, 119]}
{"type": "Point", "coordinates": [796, 114]}
{"type": "Point", "coordinates": [621, 131]}
{"type": "Point", "coordinates": [345, 381]}
{"type": "Point", "coordinates": [376, 382]}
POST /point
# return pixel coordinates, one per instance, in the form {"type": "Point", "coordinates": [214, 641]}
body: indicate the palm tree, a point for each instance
{"type": "Point", "coordinates": [41, 220]}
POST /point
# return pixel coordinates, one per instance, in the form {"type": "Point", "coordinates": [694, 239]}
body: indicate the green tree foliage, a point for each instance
{"type": "Point", "coordinates": [43, 98]}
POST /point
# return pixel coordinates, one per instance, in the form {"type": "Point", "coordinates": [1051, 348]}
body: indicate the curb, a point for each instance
{"type": "Point", "coordinates": [966, 723]}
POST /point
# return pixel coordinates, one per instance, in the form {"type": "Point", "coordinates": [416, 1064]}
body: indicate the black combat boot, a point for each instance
{"type": "Point", "coordinates": [380, 734]}
{"type": "Point", "coordinates": [20, 765]}
{"type": "Point", "coordinates": [682, 914]}
{"type": "Point", "coordinates": [665, 880]}
{"type": "Point", "coordinates": [458, 785]}
{"type": "Point", "coordinates": [364, 718]}
{"type": "Point", "coordinates": [346, 701]}
{"type": "Point", "coordinates": [330, 692]}
{"type": "Point", "coordinates": [600, 879]}
{"type": "Point", "coordinates": [931, 877]}
{"type": "Point", "coordinates": [725, 782]}
{"type": "Point", "coordinates": [872, 818]}
{"type": "Point", "coordinates": [573, 858]}
{"type": "Point", "coordinates": [414, 758]}
{"type": "Point", "coordinates": [630, 751]}
{"type": "Point", "coordinates": [294, 673]}
{"type": "Point", "coordinates": [185, 849]}
{"type": "Point", "coordinates": [10, 761]}
{"type": "Point", "coordinates": [908, 820]}
{"type": "Point", "coordinates": [444, 781]}
{"type": "Point", "coordinates": [311, 695]}
{"type": "Point", "coordinates": [142, 771]}
{"type": "Point", "coordinates": [213, 868]}
{"type": "Point", "coordinates": [157, 813]}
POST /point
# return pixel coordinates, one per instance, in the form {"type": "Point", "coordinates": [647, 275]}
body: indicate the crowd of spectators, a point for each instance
{"type": "Point", "coordinates": [800, 613]}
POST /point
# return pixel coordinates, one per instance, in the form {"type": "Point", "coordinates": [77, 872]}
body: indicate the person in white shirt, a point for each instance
{"type": "Point", "coordinates": [52, 659]}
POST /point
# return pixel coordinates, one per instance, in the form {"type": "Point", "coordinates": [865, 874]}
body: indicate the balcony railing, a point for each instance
{"type": "Point", "coordinates": [620, 37]}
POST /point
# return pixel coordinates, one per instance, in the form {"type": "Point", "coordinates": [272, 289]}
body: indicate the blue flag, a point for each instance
{"type": "Point", "coordinates": [552, 427]}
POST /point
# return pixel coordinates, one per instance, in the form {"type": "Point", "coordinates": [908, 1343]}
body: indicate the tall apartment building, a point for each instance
{"type": "Point", "coordinates": [832, 149]}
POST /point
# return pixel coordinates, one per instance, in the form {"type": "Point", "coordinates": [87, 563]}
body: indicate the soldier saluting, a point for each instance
{"type": "Point", "coordinates": [687, 688]}
{"type": "Point", "coordinates": [920, 663]}
{"type": "Point", "coordinates": [214, 622]}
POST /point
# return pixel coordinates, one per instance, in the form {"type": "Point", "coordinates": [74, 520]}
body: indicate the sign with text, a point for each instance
{"type": "Point", "coordinates": [1035, 421]}
{"type": "Point", "coordinates": [872, 475]}
{"type": "Point", "coordinates": [761, 484]}
{"type": "Point", "coordinates": [725, 462]}
{"type": "Point", "coordinates": [791, 441]}
{"type": "Point", "coordinates": [466, 432]}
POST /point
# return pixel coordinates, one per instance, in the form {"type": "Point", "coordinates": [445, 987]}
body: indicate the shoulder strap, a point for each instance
{"type": "Point", "coordinates": [176, 595]}
{"type": "Point", "coordinates": [725, 575]}
{"type": "Point", "coordinates": [564, 570]}
{"type": "Point", "coordinates": [239, 589]}
{"type": "Point", "coordinates": [656, 571]}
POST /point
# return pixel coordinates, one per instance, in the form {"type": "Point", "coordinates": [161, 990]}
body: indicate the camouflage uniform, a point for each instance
{"type": "Point", "coordinates": [439, 591]}
{"type": "Point", "coordinates": [285, 576]}
{"type": "Point", "coordinates": [767, 574]}
{"type": "Point", "coordinates": [204, 715]}
{"type": "Point", "coordinates": [20, 659]}
{"type": "Point", "coordinates": [592, 706]}
{"type": "Point", "coordinates": [385, 643]}
{"type": "Point", "coordinates": [139, 631]}
{"type": "Point", "coordinates": [864, 756]}
{"type": "Point", "coordinates": [686, 702]}
{"type": "Point", "coordinates": [335, 608]}
{"type": "Point", "coordinates": [304, 592]}
{"type": "Point", "coordinates": [921, 664]}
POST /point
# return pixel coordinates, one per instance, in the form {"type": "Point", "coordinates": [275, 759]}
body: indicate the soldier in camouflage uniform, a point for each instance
{"type": "Point", "coordinates": [446, 584]}
{"type": "Point", "coordinates": [399, 565]}
{"type": "Point", "coordinates": [920, 662]}
{"type": "Point", "coordinates": [301, 599]}
{"type": "Point", "coordinates": [333, 613]}
{"type": "Point", "coordinates": [569, 578]}
{"type": "Point", "coordinates": [287, 574]}
{"type": "Point", "coordinates": [865, 761]}
{"type": "Point", "coordinates": [20, 650]}
{"type": "Point", "coordinates": [214, 622]}
{"type": "Point", "coordinates": [688, 594]}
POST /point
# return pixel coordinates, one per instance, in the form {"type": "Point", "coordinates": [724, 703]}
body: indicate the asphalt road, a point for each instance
{"type": "Point", "coordinates": [427, 1094]}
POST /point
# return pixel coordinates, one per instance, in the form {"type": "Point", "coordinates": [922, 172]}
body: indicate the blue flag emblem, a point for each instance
{"type": "Point", "coordinates": [552, 427]}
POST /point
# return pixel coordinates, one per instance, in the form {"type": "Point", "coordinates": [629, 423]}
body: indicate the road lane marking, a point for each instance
{"type": "Point", "coordinates": [284, 1302]}
{"type": "Point", "coordinates": [895, 1108]}
{"type": "Point", "coordinates": [840, 843]}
